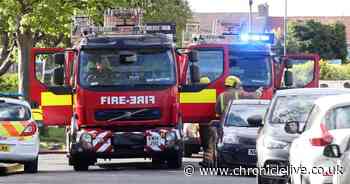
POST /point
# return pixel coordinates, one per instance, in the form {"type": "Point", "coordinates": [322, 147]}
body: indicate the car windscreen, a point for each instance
{"type": "Point", "coordinates": [14, 112]}
{"type": "Point", "coordinates": [292, 108]}
{"type": "Point", "coordinates": [100, 68]}
{"type": "Point", "coordinates": [238, 114]}
{"type": "Point", "coordinates": [252, 70]}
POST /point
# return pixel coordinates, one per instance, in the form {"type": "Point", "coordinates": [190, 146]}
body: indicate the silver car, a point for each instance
{"type": "Point", "coordinates": [273, 141]}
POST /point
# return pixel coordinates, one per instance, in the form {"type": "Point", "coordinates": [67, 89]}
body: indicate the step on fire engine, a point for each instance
{"type": "Point", "coordinates": [117, 90]}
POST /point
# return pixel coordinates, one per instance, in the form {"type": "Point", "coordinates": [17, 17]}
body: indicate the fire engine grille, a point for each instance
{"type": "Point", "coordinates": [127, 114]}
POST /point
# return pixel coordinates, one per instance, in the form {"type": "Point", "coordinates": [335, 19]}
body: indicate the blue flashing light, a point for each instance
{"type": "Point", "coordinates": [268, 38]}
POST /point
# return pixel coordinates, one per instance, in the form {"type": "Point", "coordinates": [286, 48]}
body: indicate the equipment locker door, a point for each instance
{"type": "Point", "coordinates": [51, 103]}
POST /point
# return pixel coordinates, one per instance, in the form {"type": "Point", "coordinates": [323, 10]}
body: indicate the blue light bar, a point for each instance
{"type": "Point", "coordinates": [268, 38]}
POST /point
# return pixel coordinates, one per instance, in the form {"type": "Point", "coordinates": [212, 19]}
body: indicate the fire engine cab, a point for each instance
{"type": "Point", "coordinates": [117, 90]}
{"type": "Point", "coordinates": [250, 57]}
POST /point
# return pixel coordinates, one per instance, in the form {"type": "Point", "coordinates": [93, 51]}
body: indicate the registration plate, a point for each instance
{"type": "Point", "coordinates": [4, 148]}
{"type": "Point", "coordinates": [153, 141]}
{"type": "Point", "coordinates": [252, 152]}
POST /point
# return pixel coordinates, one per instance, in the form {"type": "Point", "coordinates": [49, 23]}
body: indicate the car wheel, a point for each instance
{"type": "Point", "coordinates": [174, 160]}
{"type": "Point", "coordinates": [31, 167]}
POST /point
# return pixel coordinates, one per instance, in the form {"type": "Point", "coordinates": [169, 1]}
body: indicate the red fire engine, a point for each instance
{"type": "Point", "coordinates": [249, 57]}
{"type": "Point", "coordinates": [117, 89]}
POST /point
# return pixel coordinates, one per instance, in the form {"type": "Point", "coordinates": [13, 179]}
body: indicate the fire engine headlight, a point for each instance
{"type": "Point", "coordinates": [86, 137]}
{"type": "Point", "coordinates": [170, 136]}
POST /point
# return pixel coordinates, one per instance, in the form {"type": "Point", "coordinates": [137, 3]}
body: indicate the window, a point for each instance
{"type": "Point", "coordinates": [113, 68]}
{"type": "Point", "coordinates": [13, 112]}
{"type": "Point", "coordinates": [239, 113]}
{"type": "Point", "coordinates": [252, 70]}
{"type": "Point", "coordinates": [303, 72]}
{"type": "Point", "coordinates": [292, 108]}
{"type": "Point", "coordinates": [45, 67]}
{"type": "Point", "coordinates": [211, 63]}
{"type": "Point", "coordinates": [338, 118]}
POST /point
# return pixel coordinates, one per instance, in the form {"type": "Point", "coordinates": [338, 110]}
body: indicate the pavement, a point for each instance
{"type": "Point", "coordinates": [54, 169]}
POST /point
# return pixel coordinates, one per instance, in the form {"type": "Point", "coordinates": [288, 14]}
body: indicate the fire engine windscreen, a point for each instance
{"type": "Point", "coordinates": [252, 70]}
{"type": "Point", "coordinates": [13, 112]}
{"type": "Point", "coordinates": [120, 68]}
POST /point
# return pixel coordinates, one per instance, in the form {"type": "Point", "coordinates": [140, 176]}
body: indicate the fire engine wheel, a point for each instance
{"type": "Point", "coordinates": [80, 166]}
{"type": "Point", "coordinates": [31, 167]}
{"type": "Point", "coordinates": [156, 162]}
{"type": "Point", "coordinates": [174, 160]}
{"type": "Point", "coordinates": [187, 150]}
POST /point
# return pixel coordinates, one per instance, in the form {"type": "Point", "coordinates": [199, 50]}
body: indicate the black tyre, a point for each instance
{"type": "Point", "coordinates": [187, 151]}
{"type": "Point", "coordinates": [31, 167]}
{"type": "Point", "coordinates": [175, 160]}
{"type": "Point", "coordinates": [156, 162]}
{"type": "Point", "coordinates": [79, 166]}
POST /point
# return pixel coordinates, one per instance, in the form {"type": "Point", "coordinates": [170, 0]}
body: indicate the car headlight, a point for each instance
{"type": "Point", "coordinates": [230, 139]}
{"type": "Point", "coordinates": [170, 136]}
{"type": "Point", "coordinates": [274, 144]}
{"type": "Point", "coordinates": [86, 137]}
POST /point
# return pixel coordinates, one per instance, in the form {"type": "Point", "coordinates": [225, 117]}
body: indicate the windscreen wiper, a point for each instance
{"type": "Point", "coordinates": [127, 114]}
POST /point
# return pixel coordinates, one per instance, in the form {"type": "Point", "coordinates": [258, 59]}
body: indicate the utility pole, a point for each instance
{"type": "Point", "coordinates": [250, 16]}
{"type": "Point", "coordinates": [285, 26]}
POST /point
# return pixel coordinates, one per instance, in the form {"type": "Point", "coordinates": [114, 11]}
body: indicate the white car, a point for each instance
{"type": "Point", "coordinates": [328, 123]}
{"type": "Point", "coordinates": [19, 137]}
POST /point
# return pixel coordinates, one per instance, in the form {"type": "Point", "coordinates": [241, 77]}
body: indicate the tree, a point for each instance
{"type": "Point", "coordinates": [327, 40]}
{"type": "Point", "coordinates": [29, 23]}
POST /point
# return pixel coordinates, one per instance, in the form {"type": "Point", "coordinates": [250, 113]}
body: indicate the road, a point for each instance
{"type": "Point", "coordinates": [53, 169]}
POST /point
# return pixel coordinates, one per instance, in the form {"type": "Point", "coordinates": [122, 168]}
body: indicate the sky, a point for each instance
{"type": "Point", "coordinates": [295, 7]}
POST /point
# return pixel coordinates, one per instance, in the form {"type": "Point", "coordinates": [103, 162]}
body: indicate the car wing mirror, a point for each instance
{"type": "Point", "coordinates": [292, 127]}
{"type": "Point", "coordinates": [332, 151]}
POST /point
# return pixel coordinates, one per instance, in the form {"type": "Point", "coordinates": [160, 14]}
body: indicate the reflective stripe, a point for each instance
{"type": "Point", "coordinates": [14, 128]}
{"type": "Point", "coordinates": [236, 95]}
{"type": "Point", "coordinates": [51, 99]}
{"type": "Point", "coordinates": [204, 96]}
{"type": "Point", "coordinates": [222, 105]}
{"type": "Point", "coordinates": [37, 114]}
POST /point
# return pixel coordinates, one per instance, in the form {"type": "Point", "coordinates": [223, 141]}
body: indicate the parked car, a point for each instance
{"type": "Point", "coordinates": [343, 160]}
{"type": "Point", "coordinates": [19, 136]}
{"type": "Point", "coordinates": [273, 141]}
{"type": "Point", "coordinates": [240, 129]}
{"type": "Point", "coordinates": [328, 123]}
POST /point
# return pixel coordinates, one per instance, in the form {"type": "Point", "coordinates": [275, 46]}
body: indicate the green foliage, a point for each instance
{"type": "Point", "coordinates": [334, 72]}
{"type": "Point", "coordinates": [327, 40]}
{"type": "Point", "coordinates": [9, 83]}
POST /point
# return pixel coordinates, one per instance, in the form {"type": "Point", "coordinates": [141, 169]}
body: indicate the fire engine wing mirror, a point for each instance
{"type": "Point", "coordinates": [195, 74]}
{"type": "Point", "coordinates": [288, 63]}
{"type": "Point", "coordinates": [59, 58]}
{"type": "Point", "coordinates": [193, 56]}
{"type": "Point", "coordinates": [288, 78]}
{"type": "Point", "coordinates": [58, 76]}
